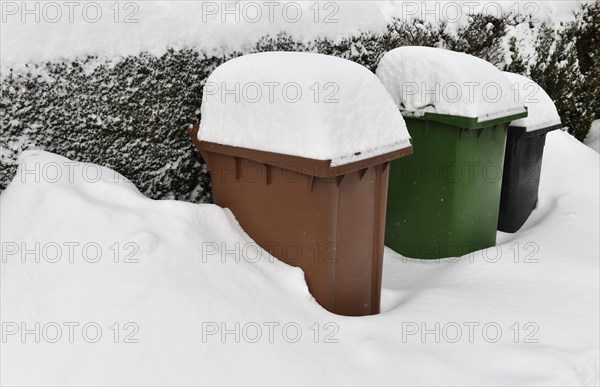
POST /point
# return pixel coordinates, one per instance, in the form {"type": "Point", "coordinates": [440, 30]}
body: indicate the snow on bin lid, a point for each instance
{"type": "Point", "coordinates": [541, 110]}
{"type": "Point", "coordinates": [301, 104]}
{"type": "Point", "coordinates": [433, 80]}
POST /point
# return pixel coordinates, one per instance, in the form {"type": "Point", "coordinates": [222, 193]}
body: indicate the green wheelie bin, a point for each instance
{"type": "Point", "coordinates": [443, 201]}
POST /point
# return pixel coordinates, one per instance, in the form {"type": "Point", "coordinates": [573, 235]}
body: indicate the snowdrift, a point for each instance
{"type": "Point", "coordinates": [103, 286]}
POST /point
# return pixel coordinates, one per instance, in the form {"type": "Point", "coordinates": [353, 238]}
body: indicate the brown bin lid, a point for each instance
{"type": "Point", "coordinates": [306, 166]}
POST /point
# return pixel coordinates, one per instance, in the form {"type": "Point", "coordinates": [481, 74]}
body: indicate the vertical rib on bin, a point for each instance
{"type": "Point", "coordinates": [297, 146]}
{"type": "Point", "coordinates": [327, 220]}
{"type": "Point", "coordinates": [444, 199]}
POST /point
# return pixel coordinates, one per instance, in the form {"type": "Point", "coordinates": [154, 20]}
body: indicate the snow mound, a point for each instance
{"type": "Point", "coordinates": [207, 307]}
{"type": "Point", "coordinates": [301, 104]}
{"type": "Point", "coordinates": [433, 80]}
{"type": "Point", "coordinates": [541, 112]}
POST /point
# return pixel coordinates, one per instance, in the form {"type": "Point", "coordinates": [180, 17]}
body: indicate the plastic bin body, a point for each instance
{"type": "Point", "coordinates": [522, 169]}
{"type": "Point", "coordinates": [329, 221]}
{"type": "Point", "coordinates": [443, 201]}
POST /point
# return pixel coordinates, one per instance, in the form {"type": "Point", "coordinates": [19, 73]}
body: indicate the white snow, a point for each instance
{"type": "Point", "coordinates": [456, 13]}
{"type": "Point", "coordinates": [112, 29]}
{"type": "Point", "coordinates": [434, 80]}
{"type": "Point", "coordinates": [593, 137]}
{"type": "Point", "coordinates": [301, 104]}
{"type": "Point", "coordinates": [539, 288]}
{"type": "Point", "coordinates": [52, 30]}
{"type": "Point", "coordinates": [541, 111]}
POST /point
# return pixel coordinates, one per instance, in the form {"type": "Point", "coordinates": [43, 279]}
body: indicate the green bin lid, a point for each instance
{"type": "Point", "coordinates": [449, 87]}
{"type": "Point", "coordinates": [468, 122]}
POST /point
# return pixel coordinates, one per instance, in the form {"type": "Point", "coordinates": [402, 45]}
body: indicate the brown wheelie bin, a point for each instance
{"type": "Point", "coordinates": [330, 221]}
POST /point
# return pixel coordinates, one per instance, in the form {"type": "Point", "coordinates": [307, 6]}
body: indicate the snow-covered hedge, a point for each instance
{"type": "Point", "coordinates": [131, 114]}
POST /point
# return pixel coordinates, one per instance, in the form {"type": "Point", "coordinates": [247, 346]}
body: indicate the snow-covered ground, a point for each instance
{"type": "Point", "coordinates": [103, 286]}
{"type": "Point", "coordinates": [39, 31]}
{"type": "Point", "coordinates": [171, 293]}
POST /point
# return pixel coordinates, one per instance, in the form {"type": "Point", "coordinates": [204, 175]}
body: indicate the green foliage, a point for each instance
{"type": "Point", "coordinates": [588, 52]}
{"type": "Point", "coordinates": [131, 113]}
{"type": "Point", "coordinates": [130, 116]}
{"type": "Point", "coordinates": [481, 37]}
{"type": "Point", "coordinates": [518, 65]}
{"type": "Point", "coordinates": [567, 68]}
